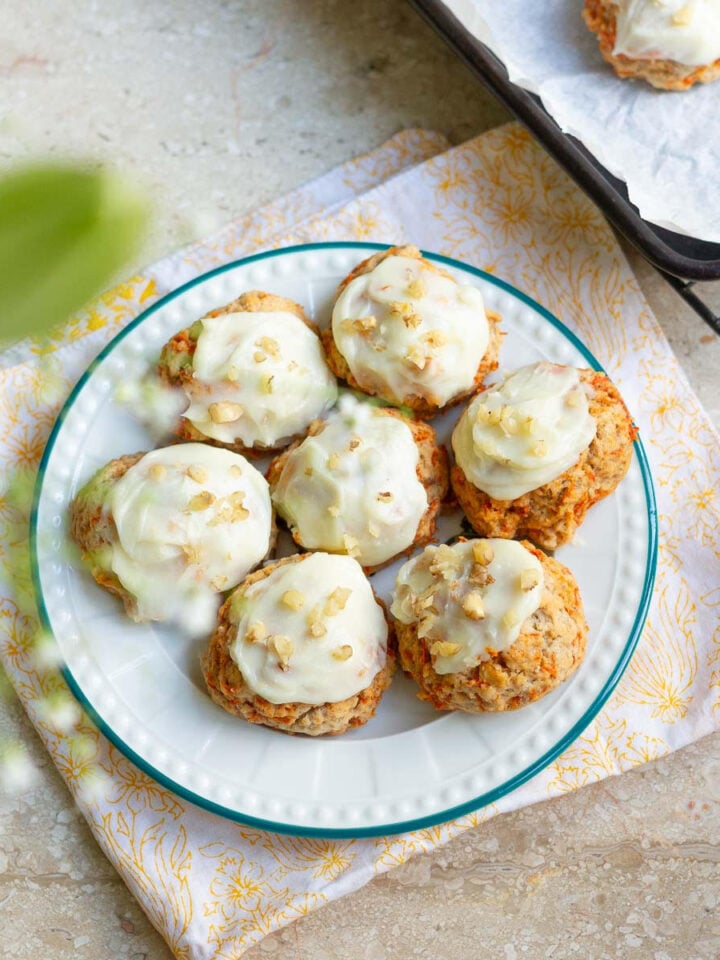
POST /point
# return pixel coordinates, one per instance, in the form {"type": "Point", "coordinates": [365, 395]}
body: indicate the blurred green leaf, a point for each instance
{"type": "Point", "coordinates": [64, 232]}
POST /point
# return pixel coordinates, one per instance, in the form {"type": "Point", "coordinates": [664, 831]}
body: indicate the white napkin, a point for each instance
{"type": "Point", "coordinates": [210, 886]}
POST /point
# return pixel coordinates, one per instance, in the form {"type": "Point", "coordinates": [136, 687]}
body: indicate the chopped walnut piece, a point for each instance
{"type": "Point", "coordinates": [529, 579]}
{"type": "Point", "coordinates": [511, 619]}
{"type": "Point", "coordinates": [385, 496]}
{"type": "Point", "coordinates": [157, 472]}
{"type": "Point", "coordinates": [316, 625]}
{"type": "Point", "coordinates": [425, 625]}
{"type": "Point", "coordinates": [224, 411]}
{"type": "Point", "coordinates": [283, 648]}
{"type": "Point", "coordinates": [256, 632]}
{"type": "Point", "coordinates": [236, 470]}
{"type": "Point", "coordinates": [308, 471]}
{"type": "Point", "coordinates": [435, 339]}
{"type": "Point", "coordinates": [423, 605]}
{"type": "Point", "coordinates": [269, 345]}
{"type": "Point", "coordinates": [259, 356]}
{"type": "Point", "coordinates": [406, 313]}
{"type": "Point", "coordinates": [238, 510]}
{"type": "Point", "coordinates": [192, 553]}
{"type": "Point", "coordinates": [293, 599]}
{"type": "Point", "coordinates": [482, 552]}
{"type": "Point", "coordinates": [201, 501]}
{"type": "Point", "coordinates": [219, 583]}
{"type": "Point", "coordinates": [231, 510]}
{"type": "Point", "coordinates": [336, 601]}
{"type": "Point", "coordinates": [444, 648]}
{"type": "Point", "coordinates": [416, 288]}
{"type": "Point", "coordinates": [364, 324]}
{"type": "Point", "coordinates": [232, 373]}
{"type": "Point", "coordinates": [354, 443]}
{"type": "Point", "coordinates": [350, 544]}
{"type": "Point", "coordinates": [342, 653]}
{"type": "Point", "coordinates": [479, 576]}
{"type": "Point", "coordinates": [266, 383]}
{"type": "Point", "coordinates": [445, 562]}
{"type": "Point", "coordinates": [572, 399]}
{"type": "Point", "coordinates": [425, 600]}
{"type": "Point", "coordinates": [197, 473]}
{"type": "Point", "coordinates": [473, 606]}
{"type": "Point", "coordinates": [416, 356]}
{"type": "Point", "coordinates": [508, 422]}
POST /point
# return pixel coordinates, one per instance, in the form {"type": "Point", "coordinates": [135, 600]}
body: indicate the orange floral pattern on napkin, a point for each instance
{"type": "Point", "coordinates": [212, 887]}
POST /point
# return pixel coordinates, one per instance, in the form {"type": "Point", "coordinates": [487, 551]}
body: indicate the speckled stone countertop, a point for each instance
{"type": "Point", "coordinates": [218, 107]}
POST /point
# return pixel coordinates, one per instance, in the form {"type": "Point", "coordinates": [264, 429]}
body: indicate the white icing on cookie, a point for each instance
{"type": "Point", "coordinates": [353, 488]}
{"type": "Point", "coordinates": [468, 599]}
{"type": "Point", "coordinates": [525, 431]}
{"type": "Point", "coordinates": [192, 521]}
{"type": "Point", "coordinates": [406, 330]}
{"type": "Point", "coordinates": [258, 378]}
{"type": "Point", "coordinates": [686, 31]}
{"type": "Point", "coordinates": [309, 632]}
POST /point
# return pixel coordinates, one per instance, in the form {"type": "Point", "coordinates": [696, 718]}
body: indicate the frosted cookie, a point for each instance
{"type": "Point", "coordinates": [408, 332]}
{"type": "Point", "coordinates": [534, 452]}
{"type": "Point", "coordinates": [367, 482]}
{"type": "Point", "coordinates": [670, 43]}
{"type": "Point", "coordinates": [487, 625]}
{"type": "Point", "coordinates": [301, 646]}
{"type": "Point", "coordinates": [253, 372]}
{"type": "Point", "coordinates": [169, 530]}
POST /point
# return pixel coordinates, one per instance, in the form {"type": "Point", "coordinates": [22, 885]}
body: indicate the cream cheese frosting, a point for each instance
{"type": "Point", "coordinates": [686, 31]}
{"type": "Point", "coordinates": [469, 600]}
{"type": "Point", "coordinates": [525, 431]}
{"type": "Point", "coordinates": [192, 520]}
{"type": "Point", "coordinates": [353, 487]}
{"type": "Point", "coordinates": [309, 632]}
{"type": "Point", "coordinates": [258, 378]}
{"type": "Point", "coordinates": [406, 330]}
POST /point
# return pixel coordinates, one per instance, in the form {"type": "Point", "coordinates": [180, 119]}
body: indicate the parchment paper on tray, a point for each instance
{"type": "Point", "coordinates": [664, 145]}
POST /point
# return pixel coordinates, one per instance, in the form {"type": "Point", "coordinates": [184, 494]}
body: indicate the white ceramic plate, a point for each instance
{"type": "Point", "coordinates": [410, 766]}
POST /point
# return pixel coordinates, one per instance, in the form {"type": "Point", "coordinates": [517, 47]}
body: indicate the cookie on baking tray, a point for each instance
{"type": "Point", "coordinates": [672, 44]}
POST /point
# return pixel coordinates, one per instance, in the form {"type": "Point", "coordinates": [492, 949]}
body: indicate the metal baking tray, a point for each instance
{"type": "Point", "coordinates": [682, 259]}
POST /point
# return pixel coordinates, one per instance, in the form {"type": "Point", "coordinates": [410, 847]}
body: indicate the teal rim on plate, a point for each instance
{"type": "Point", "coordinates": [416, 823]}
